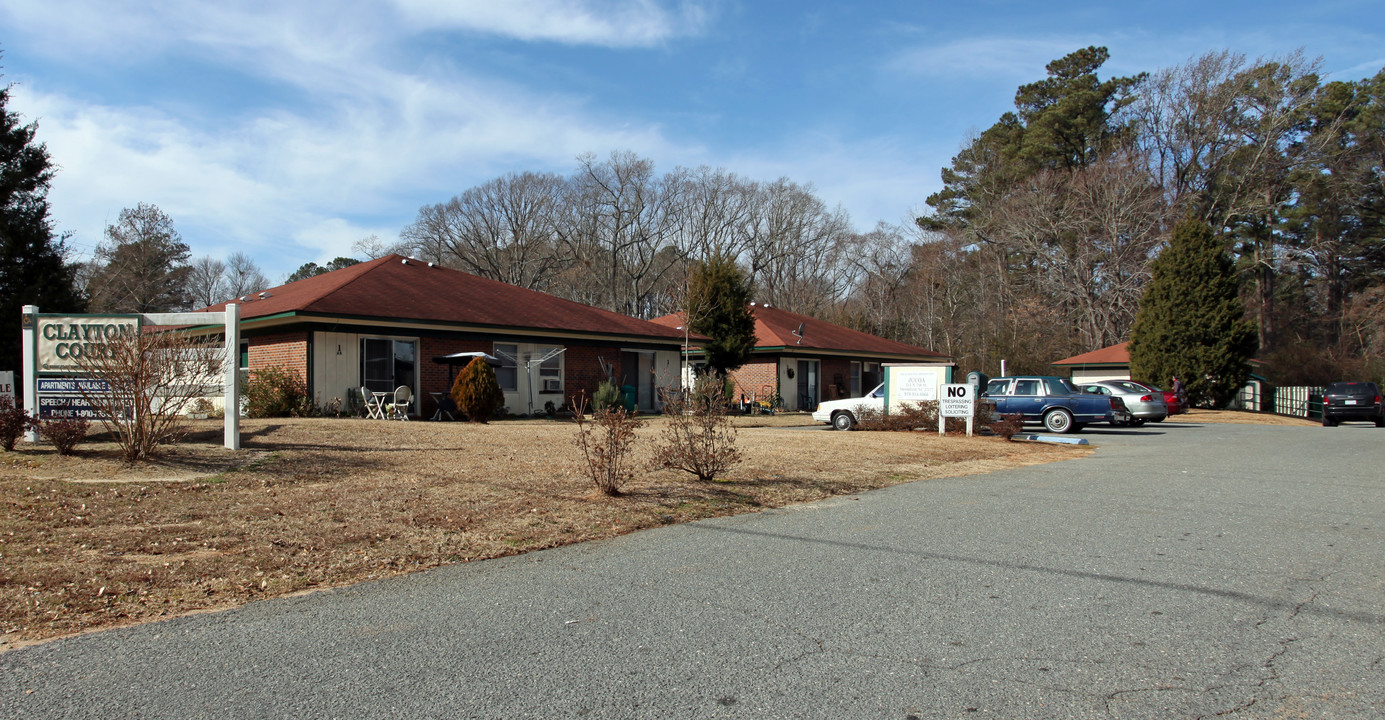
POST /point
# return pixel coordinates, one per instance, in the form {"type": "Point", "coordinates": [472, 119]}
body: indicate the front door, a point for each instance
{"type": "Point", "coordinates": [808, 385]}
{"type": "Point", "coordinates": [637, 371]}
{"type": "Point", "coordinates": [1027, 398]}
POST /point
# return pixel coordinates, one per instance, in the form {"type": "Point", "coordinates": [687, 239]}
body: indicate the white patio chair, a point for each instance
{"type": "Point", "coordinates": [373, 409]}
{"type": "Point", "coordinates": [399, 409]}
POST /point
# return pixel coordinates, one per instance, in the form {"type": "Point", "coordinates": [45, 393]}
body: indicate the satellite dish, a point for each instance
{"type": "Point", "coordinates": [799, 334]}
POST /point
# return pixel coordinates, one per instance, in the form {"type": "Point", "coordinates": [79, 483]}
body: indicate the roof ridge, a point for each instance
{"type": "Point", "coordinates": [366, 267]}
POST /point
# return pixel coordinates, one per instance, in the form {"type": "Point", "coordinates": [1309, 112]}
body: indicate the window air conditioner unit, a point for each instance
{"type": "Point", "coordinates": [552, 385]}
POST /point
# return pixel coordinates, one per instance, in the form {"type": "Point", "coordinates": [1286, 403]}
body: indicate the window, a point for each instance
{"type": "Point", "coordinates": [855, 389]}
{"type": "Point", "coordinates": [997, 387]}
{"type": "Point", "coordinates": [507, 374]}
{"type": "Point", "coordinates": [1059, 386]}
{"type": "Point", "coordinates": [244, 354]}
{"type": "Point", "coordinates": [1026, 387]}
{"type": "Point", "coordinates": [870, 374]}
{"type": "Point", "coordinates": [551, 370]}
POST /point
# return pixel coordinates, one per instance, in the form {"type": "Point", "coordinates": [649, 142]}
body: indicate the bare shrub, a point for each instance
{"type": "Point", "coordinates": [150, 380]}
{"type": "Point", "coordinates": [607, 443]}
{"type": "Point", "coordinates": [1009, 425]}
{"type": "Point", "coordinates": [699, 438]}
{"type": "Point", "coordinates": [921, 416]}
{"type": "Point", "coordinates": [64, 433]}
{"type": "Point", "coordinates": [14, 421]}
{"type": "Point", "coordinates": [906, 416]}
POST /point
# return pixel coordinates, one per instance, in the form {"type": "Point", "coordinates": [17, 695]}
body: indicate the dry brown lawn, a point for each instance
{"type": "Point", "coordinates": [1198, 415]}
{"type": "Point", "coordinates": [87, 543]}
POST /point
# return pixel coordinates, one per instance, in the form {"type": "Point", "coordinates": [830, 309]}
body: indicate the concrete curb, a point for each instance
{"type": "Point", "coordinates": [1053, 439]}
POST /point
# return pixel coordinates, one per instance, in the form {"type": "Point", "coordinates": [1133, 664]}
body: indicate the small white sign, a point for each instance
{"type": "Point", "coordinates": [7, 386]}
{"type": "Point", "coordinates": [956, 400]}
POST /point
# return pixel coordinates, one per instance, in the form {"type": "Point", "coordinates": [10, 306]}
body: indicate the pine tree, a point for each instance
{"type": "Point", "coordinates": [719, 307]}
{"type": "Point", "coordinates": [143, 267]}
{"type": "Point", "coordinates": [32, 268]}
{"type": "Point", "coordinates": [477, 392]}
{"type": "Point", "coordinates": [1191, 323]}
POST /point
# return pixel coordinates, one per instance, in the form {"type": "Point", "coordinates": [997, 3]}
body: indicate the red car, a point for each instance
{"type": "Point", "coordinates": [1171, 399]}
{"type": "Point", "coordinates": [1176, 405]}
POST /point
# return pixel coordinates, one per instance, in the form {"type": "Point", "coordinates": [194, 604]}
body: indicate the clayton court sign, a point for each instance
{"type": "Point", "coordinates": [56, 346]}
{"type": "Point", "coordinates": [64, 340]}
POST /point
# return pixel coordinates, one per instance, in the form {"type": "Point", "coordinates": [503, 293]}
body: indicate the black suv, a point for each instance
{"type": "Point", "coordinates": [1352, 401]}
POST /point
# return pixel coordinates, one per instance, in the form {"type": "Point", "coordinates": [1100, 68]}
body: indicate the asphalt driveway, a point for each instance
{"type": "Point", "coordinates": [1181, 571]}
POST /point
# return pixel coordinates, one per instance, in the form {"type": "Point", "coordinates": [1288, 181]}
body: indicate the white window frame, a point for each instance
{"type": "Point", "coordinates": [553, 368]}
{"type": "Point", "coordinates": [509, 359]}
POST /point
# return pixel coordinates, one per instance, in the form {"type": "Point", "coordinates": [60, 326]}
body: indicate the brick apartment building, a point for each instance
{"type": "Point", "coordinates": [806, 361]}
{"type": "Point", "coordinates": [385, 323]}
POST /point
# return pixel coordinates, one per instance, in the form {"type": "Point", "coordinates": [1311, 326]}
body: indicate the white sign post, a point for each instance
{"type": "Point", "coordinates": [956, 400]}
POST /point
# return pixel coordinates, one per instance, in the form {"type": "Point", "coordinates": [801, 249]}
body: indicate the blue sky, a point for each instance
{"type": "Point", "coordinates": [289, 130]}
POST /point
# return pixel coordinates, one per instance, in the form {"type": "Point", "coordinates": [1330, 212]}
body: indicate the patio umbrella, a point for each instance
{"type": "Point", "coordinates": [462, 359]}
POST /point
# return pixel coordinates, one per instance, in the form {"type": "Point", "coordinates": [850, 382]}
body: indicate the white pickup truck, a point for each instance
{"type": "Point", "coordinates": [844, 414]}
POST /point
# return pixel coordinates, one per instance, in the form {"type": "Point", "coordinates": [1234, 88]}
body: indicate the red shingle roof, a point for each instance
{"type": "Point", "coordinates": [1113, 355]}
{"type": "Point", "coordinates": [399, 289]}
{"type": "Point", "coordinates": [774, 328]}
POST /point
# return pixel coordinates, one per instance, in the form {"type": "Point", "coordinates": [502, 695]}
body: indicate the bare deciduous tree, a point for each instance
{"type": "Point", "coordinates": [503, 229]}
{"type": "Point", "coordinates": [151, 379]}
{"type": "Point", "coordinates": [698, 438]}
{"type": "Point", "coordinates": [207, 282]}
{"type": "Point", "coordinates": [243, 276]}
{"type": "Point", "coordinates": [619, 228]}
{"type": "Point", "coordinates": [799, 252]}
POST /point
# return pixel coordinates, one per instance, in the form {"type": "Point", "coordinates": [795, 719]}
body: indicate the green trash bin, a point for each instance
{"type": "Point", "coordinates": [628, 397]}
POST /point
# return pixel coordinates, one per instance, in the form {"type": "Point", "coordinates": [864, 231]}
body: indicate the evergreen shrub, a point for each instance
{"type": "Point", "coordinates": [477, 392]}
{"type": "Point", "coordinates": [607, 396]}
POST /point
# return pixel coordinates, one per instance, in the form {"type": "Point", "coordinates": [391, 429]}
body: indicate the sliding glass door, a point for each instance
{"type": "Point", "coordinates": [386, 364]}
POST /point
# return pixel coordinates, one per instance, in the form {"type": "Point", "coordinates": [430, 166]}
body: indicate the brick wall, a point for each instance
{"type": "Point", "coordinates": [287, 350]}
{"type": "Point", "coordinates": [756, 378]}
{"type": "Point", "coordinates": [432, 376]}
{"type": "Point", "coordinates": [583, 369]}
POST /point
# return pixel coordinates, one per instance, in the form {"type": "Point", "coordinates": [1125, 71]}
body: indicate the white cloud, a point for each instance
{"type": "Point", "coordinates": [292, 186]}
{"type": "Point", "coordinates": [1004, 58]}
{"type": "Point", "coordinates": [613, 23]}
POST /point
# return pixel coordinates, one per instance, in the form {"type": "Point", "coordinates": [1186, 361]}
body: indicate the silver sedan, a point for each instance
{"type": "Point", "coordinates": [1144, 404]}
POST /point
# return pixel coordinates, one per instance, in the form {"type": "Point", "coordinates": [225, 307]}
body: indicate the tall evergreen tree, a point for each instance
{"type": "Point", "coordinates": [1063, 122]}
{"type": "Point", "coordinates": [312, 269]}
{"type": "Point", "coordinates": [143, 267]}
{"type": "Point", "coordinates": [32, 268]}
{"type": "Point", "coordinates": [718, 306]}
{"type": "Point", "coordinates": [1191, 322]}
